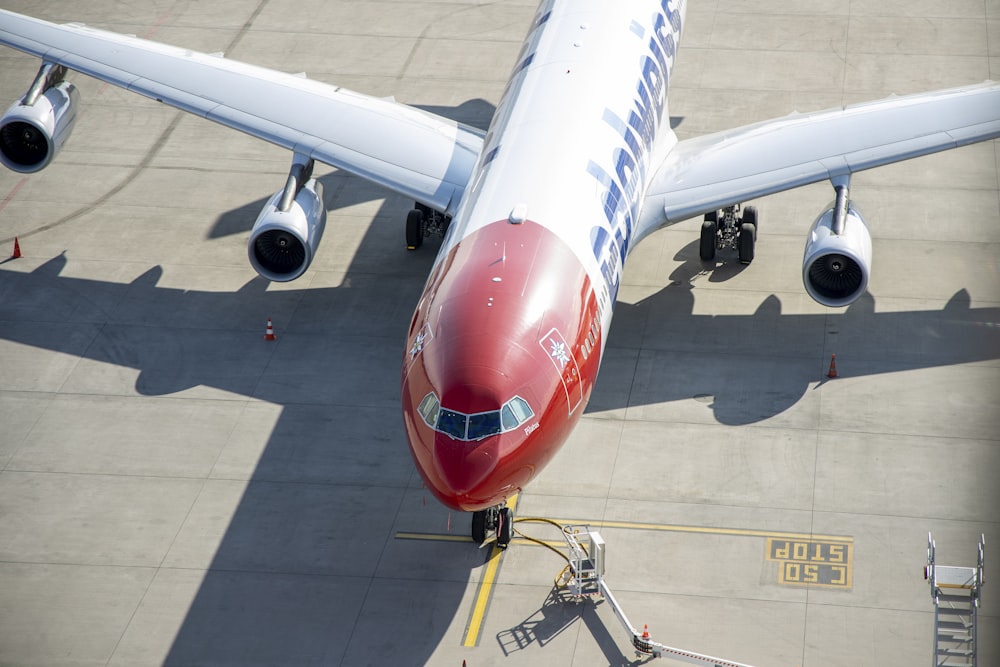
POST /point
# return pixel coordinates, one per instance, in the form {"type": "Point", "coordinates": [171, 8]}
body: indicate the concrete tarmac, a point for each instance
{"type": "Point", "coordinates": [176, 490]}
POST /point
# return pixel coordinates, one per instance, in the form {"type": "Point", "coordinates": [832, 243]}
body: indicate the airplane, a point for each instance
{"type": "Point", "coordinates": [537, 214]}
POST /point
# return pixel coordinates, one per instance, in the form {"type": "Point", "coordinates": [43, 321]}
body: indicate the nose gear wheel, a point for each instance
{"type": "Point", "coordinates": [499, 520]}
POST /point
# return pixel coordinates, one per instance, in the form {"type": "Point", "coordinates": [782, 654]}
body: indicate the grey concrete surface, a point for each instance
{"type": "Point", "coordinates": [175, 490]}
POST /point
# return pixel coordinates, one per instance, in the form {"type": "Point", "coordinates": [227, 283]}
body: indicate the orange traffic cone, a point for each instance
{"type": "Point", "coordinates": [645, 631]}
{"type": "Point", "coordinates": [269, 332]}
{"type": "Point", "coordinates": [17, 249]}
{"type": "Point", "coordinates": [832, 373]}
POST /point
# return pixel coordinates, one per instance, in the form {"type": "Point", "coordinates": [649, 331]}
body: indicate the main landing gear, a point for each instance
{"type": "Point", "coordinates": [423, 221]}
{"type": "Point", "coordinates": [729, 229]}
{"type": "Point", "coordinates": [499, 519]}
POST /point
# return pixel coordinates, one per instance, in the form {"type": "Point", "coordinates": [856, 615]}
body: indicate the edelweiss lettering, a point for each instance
{"type": "Point", "coordinates": [631, 159]}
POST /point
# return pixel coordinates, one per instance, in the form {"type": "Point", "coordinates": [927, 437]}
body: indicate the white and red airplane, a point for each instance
{"type": "Point", "coordinates": [538, 214]}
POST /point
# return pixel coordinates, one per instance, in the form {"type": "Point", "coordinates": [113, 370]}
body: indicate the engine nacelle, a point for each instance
{"type": "Point", "coordinates": [835, 267]}
{"type": "Point", "coordinates": [32, 135]}
{"type": "Point", "coordinates": [283, 243]}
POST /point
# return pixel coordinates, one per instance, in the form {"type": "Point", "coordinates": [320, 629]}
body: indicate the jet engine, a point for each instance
{"type": "Point", "coordinates": [838, 255]}
{"type": "Point", "coordinates": [35, 127]}
{"type": "Point", "coordinates": [288, 230]}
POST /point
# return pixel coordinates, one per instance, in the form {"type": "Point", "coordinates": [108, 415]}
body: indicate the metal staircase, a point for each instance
{"type": "Point", "coordinates": [956, 592]}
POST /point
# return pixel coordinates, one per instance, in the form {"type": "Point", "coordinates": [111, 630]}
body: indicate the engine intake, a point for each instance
{"type": "Point", "coordinates": [34, 129]}
{"type": "Point", "coordinates": [283, 242]}
{"type": "Point", "coordinates": [836, 266]}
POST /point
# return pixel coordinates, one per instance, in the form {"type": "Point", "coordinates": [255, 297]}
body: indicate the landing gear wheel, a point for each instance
{"type": "Point", "coordinates": [479, 526]}
{"type": "Point", "coordinates": [746, 242]}
{"type": "Point", "coordinates": [505, 527]}
{"type": "Point", "coordinates": [750, 215]}
{"type": "Point", "coordinates": [414, 229]}
{"type": "Point", "coordinates": [709, 231]}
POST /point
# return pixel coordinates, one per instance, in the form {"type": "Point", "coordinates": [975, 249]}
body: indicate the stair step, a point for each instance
{"type": "Point", "coordinates": [955, 652]}
{"type": "Point", "coordinates": [953, 611]}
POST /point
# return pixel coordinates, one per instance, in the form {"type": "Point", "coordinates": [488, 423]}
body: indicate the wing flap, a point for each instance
{"type": "Point", "coordinates": [706, 173]}
{"type": "Point", "coordinates": [420, 155]}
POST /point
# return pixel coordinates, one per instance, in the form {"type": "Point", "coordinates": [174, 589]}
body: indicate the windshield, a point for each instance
{"type": "Point", "coordinates": [461, 426]}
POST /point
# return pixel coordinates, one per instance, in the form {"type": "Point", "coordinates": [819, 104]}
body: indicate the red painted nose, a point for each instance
{"type": "Point", "coordinates": [463, 467]}
{"type": "Point", "coordinates": [494, 375]}
{"type": "Point", "coordinates": [466, 418]}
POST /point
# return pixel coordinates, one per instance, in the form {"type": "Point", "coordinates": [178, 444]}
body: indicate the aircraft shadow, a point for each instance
{"type": "Point", "coordinates": [750, 367]}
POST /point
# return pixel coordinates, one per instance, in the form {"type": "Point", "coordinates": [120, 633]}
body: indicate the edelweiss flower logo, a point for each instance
{"type": "Point", "coordinates": [558, 352]}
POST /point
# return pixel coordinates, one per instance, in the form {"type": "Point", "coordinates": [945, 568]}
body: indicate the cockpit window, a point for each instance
{"type": "Point", "coordinates": [521, 409]}
{"type": "Point", "coordinates": [507, 418]}
{"type": "Point", "coordinates": [484, 424]}
{"type": "Point", "coordinates": [452, 423]}
{"type": "Point", "coordinates": [429, 409]}
{"type": "Point", "coordinates": [461, 426]}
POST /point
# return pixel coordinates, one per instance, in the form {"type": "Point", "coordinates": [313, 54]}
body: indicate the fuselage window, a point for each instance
{"type": "Point", "coordinates": [484, 424]}
{"type": "Point", "coordinates": [452, 423]}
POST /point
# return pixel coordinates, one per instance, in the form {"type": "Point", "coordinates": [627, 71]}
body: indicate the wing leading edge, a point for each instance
{"type": "Point", "coordinates": [420, 155]}
{"type": "Point", "coordinates": [708, 172]}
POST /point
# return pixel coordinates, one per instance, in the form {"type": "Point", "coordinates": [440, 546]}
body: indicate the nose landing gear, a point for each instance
{"type": "Point", "coordinates": [499, 519]}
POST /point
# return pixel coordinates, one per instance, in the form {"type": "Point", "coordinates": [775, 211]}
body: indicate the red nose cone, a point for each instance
{"type": "Point", "coordinates": [500, 360]}
{"type": "Point", "coordinates": [464, 466]}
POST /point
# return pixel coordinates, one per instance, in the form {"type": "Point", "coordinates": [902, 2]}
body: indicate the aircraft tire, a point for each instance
{"type": "Point", "coordinates": [479, 526]}
{"type": "Point", "coordinates": [706, 247]}
{"type": "Point", "coordinates": [414, 229]}
{"type": "Point", "coordinates": [746, 242]}
{"type": "Point", "coordinates": [750, 215]}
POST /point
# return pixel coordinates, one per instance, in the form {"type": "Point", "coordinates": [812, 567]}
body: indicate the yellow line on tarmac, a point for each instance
{"type": "Point", "coordinates": [482, 598]}
{"type": "Point", "coordinates": [741, 532]}
{"type": "Point", "coordinates": [708, 530]}
{"type": "Point", "coordinates": [485, 592]}
{"type": "Point", "coordinates": [435, 537]}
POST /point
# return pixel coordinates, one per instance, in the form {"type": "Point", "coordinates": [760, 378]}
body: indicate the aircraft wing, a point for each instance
{"type": "Point", "coordinates": [708, 172]}
{"type": "Point", "coordinates": [422, 156]}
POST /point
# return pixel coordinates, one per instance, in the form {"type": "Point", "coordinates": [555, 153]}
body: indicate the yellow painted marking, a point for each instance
{"type": "Point", "coordinates": [482, 598]}
{"type": "Point", "coordinates": [664, 528]}
{"type": "Point", "coordinates": [711, 531]}
{"type": "Point", "coordinates": [485, 591]}
{"type": "Point", "coordinates": [813, 562]}
{"type": "Point", "coordinates": [437, 537]}
{"type": "Point", "coordinates": [441, 537]}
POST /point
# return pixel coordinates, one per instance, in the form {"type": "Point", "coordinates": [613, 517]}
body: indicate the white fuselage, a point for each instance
{"type": "Point", "coordinates": [583, 117]}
